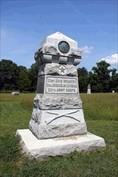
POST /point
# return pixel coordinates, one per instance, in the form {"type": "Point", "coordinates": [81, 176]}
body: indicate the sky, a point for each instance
{"type": "Point", "coordinates": [92, 23]}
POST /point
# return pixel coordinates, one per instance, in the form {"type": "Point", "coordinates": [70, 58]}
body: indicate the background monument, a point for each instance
{"type": "Point", "coordinates": [57, 125]}
{"type": "Point", "coordinates": [89, 89]}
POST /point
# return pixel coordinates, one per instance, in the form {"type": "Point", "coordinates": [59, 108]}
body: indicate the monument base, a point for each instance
{"type": "Point", "coordinates": [39, 149]}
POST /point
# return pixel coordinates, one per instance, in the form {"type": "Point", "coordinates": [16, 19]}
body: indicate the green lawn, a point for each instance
{"type": "Point", "coordinates": [101, 114]}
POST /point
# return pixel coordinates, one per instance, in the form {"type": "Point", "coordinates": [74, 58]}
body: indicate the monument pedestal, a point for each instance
{"type": "Point", "coordinates": [39, 149]}
{"type": "Point", "coordinates": [57, 125]}
{"type": "Point", "coordinates": [57, 110]}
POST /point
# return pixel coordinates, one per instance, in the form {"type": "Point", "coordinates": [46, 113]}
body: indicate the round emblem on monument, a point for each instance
{"type": "Point", "coordinates": [62, 70]}
{"type": "Point", "coordinates": [64, 47]}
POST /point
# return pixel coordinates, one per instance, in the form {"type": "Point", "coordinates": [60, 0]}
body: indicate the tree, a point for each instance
{"type": "Point", "coordinates": [83, 79]}
{"type": "Point", "coordinates": [33, 75]}
{"type": "Point", "coordinates": [9, 74]}
{"type": "Point", "coordinates": [100, 77]}
{"type": "Point", "coordinates": [114, 80]}
{"type": "Point", "coordinates": [23, 81]}
{"type": "Point", "coordinates": [13, 77]}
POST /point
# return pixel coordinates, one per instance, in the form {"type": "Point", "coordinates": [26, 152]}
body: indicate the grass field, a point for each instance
{"type": "Point", "coordinates": [101, 114]}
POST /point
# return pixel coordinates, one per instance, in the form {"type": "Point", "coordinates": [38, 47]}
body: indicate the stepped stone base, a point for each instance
{"type": "Point", "coordinates": [39, 149]}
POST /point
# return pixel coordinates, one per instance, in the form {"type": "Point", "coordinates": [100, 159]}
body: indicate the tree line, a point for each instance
{"type": "Point", "coordinates": [14, 77]}
{"type": "Point", "coordinates": [18, 78]}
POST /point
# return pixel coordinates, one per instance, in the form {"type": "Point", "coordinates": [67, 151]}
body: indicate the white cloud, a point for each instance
{"type": "Point", "coordinates": [112, 59]}
{"type": "Point", "coordinates": [86, 49]}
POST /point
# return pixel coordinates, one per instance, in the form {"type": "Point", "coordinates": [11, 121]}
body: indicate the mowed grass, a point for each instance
{"type": "Point", "coordinates": [101, 114]}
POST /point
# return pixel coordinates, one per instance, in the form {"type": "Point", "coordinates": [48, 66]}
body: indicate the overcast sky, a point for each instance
{"type": "Point", "coordinates": [92, 23]}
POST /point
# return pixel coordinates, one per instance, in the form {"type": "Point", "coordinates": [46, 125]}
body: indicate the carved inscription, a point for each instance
{"type": "Point", "coordinates": [61, 85]}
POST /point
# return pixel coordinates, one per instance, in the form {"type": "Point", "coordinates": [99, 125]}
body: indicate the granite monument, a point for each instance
{"type": "Point", "coordinates": [57, 125]}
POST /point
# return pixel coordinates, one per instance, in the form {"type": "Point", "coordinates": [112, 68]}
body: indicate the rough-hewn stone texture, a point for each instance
{"type": "Point", "coordinates": [58, 92]}
{"type": "Point", "coordinates": [57, 125]}
{"type": "Point", "coordinates": [39, 149]}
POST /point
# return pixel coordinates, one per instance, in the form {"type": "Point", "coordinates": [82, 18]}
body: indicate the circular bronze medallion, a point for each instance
{"type": "Point", "coordinates": [64, 47]}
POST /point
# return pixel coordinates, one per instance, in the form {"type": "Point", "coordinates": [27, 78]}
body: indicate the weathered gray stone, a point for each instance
{"type": "Point", "coordinates": [39, 149]}
{"type": "Point", "coordinates": [55, 101]}
{"type": "Point", "coordinates": [49, 51]}
{"type": "Point", "coordinates": [58, 95]}
{"type": "Point", "coordinates": [15, 93]}
{"type": "Point", "coordinates": [54, 69]}
{"type": "Point", "coordinates": [89, 89]}
{"type": "Point", "coordinates": [57, 123]}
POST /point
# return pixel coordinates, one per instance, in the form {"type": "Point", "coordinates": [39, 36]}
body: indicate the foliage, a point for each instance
{"type": "Point", "coordinates": [83, 78]}
{"type": "Point", "coordinates": [114, 80]}
{"type": "Point", "coordinates": [9, 73]}
{"type": "Point", "coordinates": [24, 82]}
{"type": "Point", "coordinates": [33, 75]}
{"type": "Point", "coordinates": [101, 116]}
{"type": "Point", "coordinates": [13, 77]}
{"type": "Point", "coordinates": [101, 75]}
{"type": "Point", "coordinates": [100, 78]}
